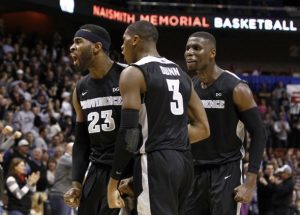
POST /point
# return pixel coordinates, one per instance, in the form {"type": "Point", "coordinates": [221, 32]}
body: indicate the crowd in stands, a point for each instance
{"type": "Point", "coordinates": [282, 152]}
{"type": "Point", "coordinates": [37, 121]}
{"type": "Point", "coordinates": [36, 116]}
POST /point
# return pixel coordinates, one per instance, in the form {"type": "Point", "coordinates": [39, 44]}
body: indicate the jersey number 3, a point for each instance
{"type": "Point", "coordinates": [177, 105]}
{"type": "Point", "coordinates": [108, 125]}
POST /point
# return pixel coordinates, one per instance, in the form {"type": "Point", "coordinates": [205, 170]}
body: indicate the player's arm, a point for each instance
{"type": "Point", "coordinates": [250, 116]}
{"type": "Point", "coordinates": [198, 126]}
{"type": "Point", "coordinates": [131, 84]}
{"type": "Point", "coordinates": [80, 155]}
{"type": "Point", "coordinates": [81, 148]}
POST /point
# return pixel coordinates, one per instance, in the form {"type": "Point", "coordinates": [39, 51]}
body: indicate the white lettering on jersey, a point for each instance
{"type": "Point", "coordinates": [169, 71]}
{"type": "Point", "coordinates": [115, 89]}
{"type": "Point", "coordinates": [214, 104]}
{"type": "Point", "coordinates": [101, 102]}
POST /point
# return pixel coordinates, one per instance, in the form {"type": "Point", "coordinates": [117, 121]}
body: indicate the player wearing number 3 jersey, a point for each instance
{"type": "Point", "coordinates": [159, 96]}
{"type": "Point", "coordinates": [97, 103]}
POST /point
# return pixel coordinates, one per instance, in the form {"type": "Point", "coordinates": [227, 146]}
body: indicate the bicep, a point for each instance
{"type": "Point", "coordinates": [132, 84]}
{"type": "Point", "coordinates": [243, 97]}
{"type": "Point", "coordinates": [80, 117]}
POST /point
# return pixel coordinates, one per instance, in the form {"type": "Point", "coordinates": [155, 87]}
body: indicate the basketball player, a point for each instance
{"type": "Point", "coordinates": [159, 95]}
{"type": "Point", "coordinates": [97, 103]}
{"type": "Point", "coordinates": [218, 188]}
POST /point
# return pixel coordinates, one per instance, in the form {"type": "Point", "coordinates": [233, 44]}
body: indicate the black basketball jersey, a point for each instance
{"type": "Point", "coordinates": [101, 102]}
{"type": "Point", "coordinates": [225, 143]}
{"type": "Point", "coordinates": [163, 115]}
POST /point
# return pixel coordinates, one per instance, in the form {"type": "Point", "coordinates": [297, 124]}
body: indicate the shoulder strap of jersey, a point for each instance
{"type": "Point", "coordinates": [122, 66]}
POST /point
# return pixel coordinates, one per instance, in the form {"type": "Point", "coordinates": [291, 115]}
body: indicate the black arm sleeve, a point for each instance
{"type": "Point", "coordinates": [81, 151]}
{"type": "Point", "coordinates": [122, 156]}
{"type": "Point", "coordinates": [254, 125]}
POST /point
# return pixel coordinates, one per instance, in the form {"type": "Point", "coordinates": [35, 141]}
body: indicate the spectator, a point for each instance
{"type": "Point", "coordinates": [40, 196]}
{"type": "Point", "coordinates": [66, 107]}
{"type": "Point", "coordinates": [30, 138]}
{"type": "Point", "coordinates": [58, 152]}
{"type": "Point", "coordinates": [41, 100]}
{"type": "Point", "coordinates": [20, 151]}
{"type": "Point", "coordinates": [24, 119]}
{"type": "Point", "coordinates": [295, 136]}
{"type": "Point", "coordinates": [53, 129]}
{"type": "Point", "coordinates": [282, 187]}
{"type": "Point", "coordinates": [20, 188]}
{"type": "Point", "coordinates": [54, 109]}
{"type": "Point", "coordinates": [41, 140]}
{"type": "Point", "coordinates": [262, 107]}
{"type": "Point", "coordinates": [63, 180]}
{"type": "Point", "coordinates": [268, 123]}
{"type": "Point", "coordinates": [7, 137]}
{"type": "Point", "coordinates": [4, 106]}
{"type": "Point", "coordinates": [282, 128]}
{"type": "Point", "coordinates": [264, 191]}
{"type": "Point", "coordinates": [51, 169]}
{"type": "Point", "coordinates": [16, 97]}
{"type": "Point", "coordinates": [278, 90]}
{"type": "Point", "coordinates": [284, 101]}
{"type": "Point", "coordinates": [1, 181]}
{"type": "Point", "coordinates": [264, 92]}
{"type": "Point", "coordinates": [36, 165]}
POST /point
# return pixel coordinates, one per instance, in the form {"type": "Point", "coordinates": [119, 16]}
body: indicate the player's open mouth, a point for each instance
{"type": "Point", "coordinates": [75, 59]}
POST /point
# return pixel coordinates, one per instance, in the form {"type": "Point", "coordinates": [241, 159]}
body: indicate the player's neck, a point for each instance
{"type": "Point", "coordinates": [100, 68]}
{"type": "Point", "coordinates": [208, 76]}
{"type": "Point", "coordinates": [149, 52]}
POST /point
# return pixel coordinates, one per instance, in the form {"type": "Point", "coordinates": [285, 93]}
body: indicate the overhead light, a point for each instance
{"type": "Point", "coordinates": [67, 5]}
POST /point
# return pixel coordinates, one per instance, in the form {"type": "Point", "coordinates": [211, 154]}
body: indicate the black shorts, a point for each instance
{"type": "Point", "coordinates": [213, 190]}
{"type": "Point", "coordinates": [162, 181]}
{"type": "Point", "coordinates": [94, 193]}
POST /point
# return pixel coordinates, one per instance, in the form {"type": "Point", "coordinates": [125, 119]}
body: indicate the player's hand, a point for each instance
{"type": "Point", "coordinates": [244, 192]}
{"type": "Point", "coordinates": [126, 187]}
{"type": "Point", "coordinates": [72, 197]}
{"type": "Point", "coordinates": [114, 198]}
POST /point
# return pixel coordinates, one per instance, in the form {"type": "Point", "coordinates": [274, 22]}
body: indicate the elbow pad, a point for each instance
{"type": "Point", "coordinates": [81, 151]}
{"type": "Point", "coordinates": [127, 142]}
{"type": "Point", "coordinates": [254, 125]}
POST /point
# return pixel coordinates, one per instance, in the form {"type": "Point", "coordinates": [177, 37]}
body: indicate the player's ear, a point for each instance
{"type": "Point", "coordinates": [97, 47]}
{"type": "Point", "coordinates": [213, 53]}
{"type": "Point", "coordinates": [136, 38]}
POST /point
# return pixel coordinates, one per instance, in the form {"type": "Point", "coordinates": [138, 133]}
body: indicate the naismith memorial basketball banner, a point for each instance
{"type": "Point", "coordinates": [170, 19]}
{"type": "Point", "coordinates": [217, 22]}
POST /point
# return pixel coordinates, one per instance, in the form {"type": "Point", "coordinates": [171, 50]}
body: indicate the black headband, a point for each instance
{"type": "Point", "coordinates": [93, 38]}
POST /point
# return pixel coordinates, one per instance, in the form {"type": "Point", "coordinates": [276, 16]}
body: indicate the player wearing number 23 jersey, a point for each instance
{"type": "Point", "coordinates": [97, 103]}
{"type": "Point", "coordinates": [101, 102]}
